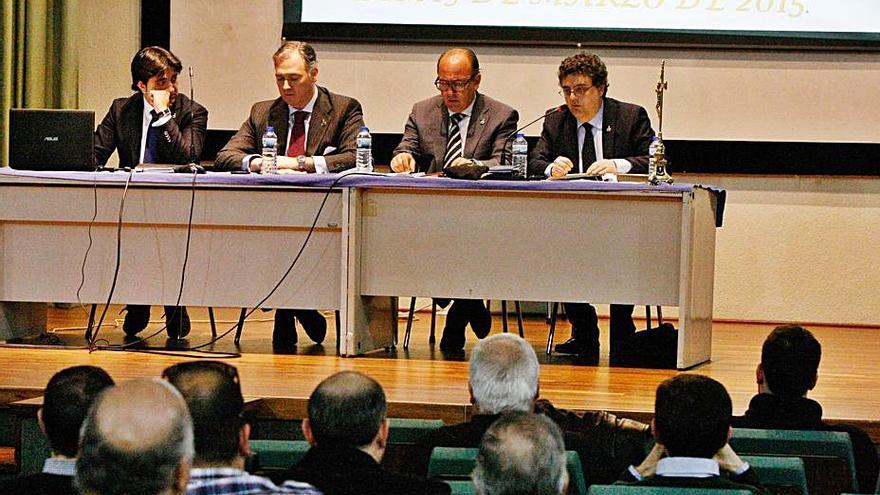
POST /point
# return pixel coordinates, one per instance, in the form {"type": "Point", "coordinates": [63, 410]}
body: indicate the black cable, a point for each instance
{"type": "Point", "coordinates": [82, 269]}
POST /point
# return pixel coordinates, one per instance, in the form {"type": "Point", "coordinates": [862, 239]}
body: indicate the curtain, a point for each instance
{"type": "Point", "coordinates": [38, 60]}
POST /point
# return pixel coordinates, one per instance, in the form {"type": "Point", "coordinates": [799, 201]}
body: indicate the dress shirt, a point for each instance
{"type": "Point", "coordinates": [463, 123]}
{"type": "Point", "coordinates": [231, 481]}
{"type": "Point", "coordinates": [687, 467]}
{"type": "Point", "coordinates": [623, 165]}
{"type": "Point", "coordinates": [61, 467]}
{"type": "Point", "coordinates": [148, 118]}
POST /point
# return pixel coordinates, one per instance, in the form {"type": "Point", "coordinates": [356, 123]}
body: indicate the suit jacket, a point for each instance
{"type": "Point", "coordinates": [335, 121]}
{"type": "Point", "coordinates": [122, 129]}
{"type": "Point", "coordinates": [341, 470]}
{"type": "Point", "coordinates": [748, 480]}
{"type": "Point", "coordinates": [425, 135]}
{"type": "Point", "coordinates": [770, 411]}
{"type": "Point", "coordinates": [606, 445]}
{"type": "Point", "coordinates": [626, 133]}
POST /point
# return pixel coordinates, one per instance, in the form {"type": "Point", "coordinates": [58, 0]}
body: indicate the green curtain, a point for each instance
{"type": "Point", "coordinates": [39, 63]}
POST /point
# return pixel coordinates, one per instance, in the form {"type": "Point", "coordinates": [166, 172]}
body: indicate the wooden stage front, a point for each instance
{"type": "Point", "coordinates": [422, 383]}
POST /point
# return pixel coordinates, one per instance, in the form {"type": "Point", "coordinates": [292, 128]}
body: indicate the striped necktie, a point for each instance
{"type": "Point", "coordinates": [453, 146]}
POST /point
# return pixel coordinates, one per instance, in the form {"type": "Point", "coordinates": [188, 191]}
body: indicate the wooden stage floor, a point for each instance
{"type": "Point", "coordinates": [421, 383]}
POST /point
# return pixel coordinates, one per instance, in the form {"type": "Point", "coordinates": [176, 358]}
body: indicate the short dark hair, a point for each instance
{"type": "Point", "coordinates": [347, 408]}
{"type": "Point", "coordinates": [692, 415]}
{"type": "Point", "coordinates": [212, 393]}
{"type": "Point", "coordinates": [66, 401]}
{"type": "Point", "coordinates": [585, 64]}
{"type": "Point", "coordinates": [150, 61]}
{"type": "Point", "coordinates": [790, 360]}
{"type": "Point", "coordinates": [288, 48]}
{"type": "Point", "coordinates": [521, 453]}
{"type": "Point", "coordinates": [468, 53]}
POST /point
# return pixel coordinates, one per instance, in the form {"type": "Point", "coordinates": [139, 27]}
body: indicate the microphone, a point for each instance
{"type": "Point", "coordinates": [514, 133]}
{"type": "Point", "coordinates": [193, 167]}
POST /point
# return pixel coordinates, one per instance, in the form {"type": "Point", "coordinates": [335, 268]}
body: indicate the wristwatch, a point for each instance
{"type": "Point", "coordinates": [301, 163]}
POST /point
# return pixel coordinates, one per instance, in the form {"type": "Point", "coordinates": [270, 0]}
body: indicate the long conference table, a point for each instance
{"type": "Point", "coordinates": [356, 246]}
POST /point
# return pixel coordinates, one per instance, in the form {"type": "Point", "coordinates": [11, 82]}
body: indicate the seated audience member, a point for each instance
{"type": "Point", "coordinates": [347, 430]}
{"type": "Point", "coordinates": [692, 426]}
{"type": "Point", "coordinates": [788, 371]}
{"type": "Point", "coordinates": [212, 393]}
{"type": "Point", "coordinates": [67, 399]}
{"type": "Point", "coordinates": [154, 125]}
{"type": "Point", "coordinates": [503, 377]}
{"type": "Point", "coordinates": [521, 454]}
{"type": "Point", "coordinates": [137, 438]}
{"type": "Point", "coordinates": [316, 134]}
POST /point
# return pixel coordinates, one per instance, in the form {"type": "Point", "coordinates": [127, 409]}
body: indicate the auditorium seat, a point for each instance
{"type": "Point", "coordinates": [461, 487]}
{"type": "Point", "coordinates": [278, 454]}
{"type": "Point", "coordinates": [827, 455]}
{"type": "Point", "coordinates": [660, 490]}
{"type": "Point", "coordinates": [450, 463]}
{"type": "Point", "coordinates": [781, 475]}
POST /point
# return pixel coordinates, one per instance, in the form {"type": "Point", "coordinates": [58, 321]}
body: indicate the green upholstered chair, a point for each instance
{"type": "Point", "coordinates": [278, 454]}
{"type": "Point", "coordinates": [660, 490]}
{"type": "Point", "coordinates": [780, 474]}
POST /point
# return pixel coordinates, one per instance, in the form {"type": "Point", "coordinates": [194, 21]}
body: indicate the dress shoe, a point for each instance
{"type": "Point", "coordinates": [481, 320]}
{"type": "Point", "coordinates": [589, 356]}
{"type": "Point", "coordinates": [177, 323]}
{"type": "Point", "coordinates": [284, 332]}
{"type": "Point", "coordinates": [452, 342]}
{"type": "Point", "coordinates": [137, 317]}
{"type": "Point", "coordinates": [571, 346]}
{"type": "Point", "coordinates": [313, 322]}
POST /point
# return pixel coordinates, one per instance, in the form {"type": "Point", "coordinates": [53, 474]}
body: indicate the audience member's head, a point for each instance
{"type": "Point", "coordinates": [503, 374]}
{"type": "Point", "coordinates": [212, 393]}
{"type": "Point", "coordinates": [347, 409]}
{"type": "Point", "coordinates": [789, 362]}
{"type": "Point", "coordinates": [521, 453]}
{"type": "Point", "coordinates": [692, 416]}
{"type": "Point", "coordinates": [67, 399]}
{"type": "Point", "coordinates": [137, 438]}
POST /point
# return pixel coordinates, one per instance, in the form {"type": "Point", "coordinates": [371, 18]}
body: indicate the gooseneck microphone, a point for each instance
{"type": "Point", "coordinates": [192, 166]}
{"type": "Point", "coordinates": [514, 133]}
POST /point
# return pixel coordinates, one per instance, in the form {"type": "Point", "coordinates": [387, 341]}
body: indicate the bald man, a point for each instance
{"type": "Point", "coordinates": [457, 126]}
{"type": "Point", "coordinates": [138, 438]}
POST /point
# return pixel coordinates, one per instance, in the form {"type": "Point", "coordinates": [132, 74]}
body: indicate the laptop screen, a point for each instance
{"type": "Point", "coordinates": [46, 139]}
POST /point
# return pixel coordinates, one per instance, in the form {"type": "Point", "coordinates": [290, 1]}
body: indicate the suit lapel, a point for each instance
{"type": "Point", "coordinates": [318, 122]}
{"type": "Point", "coordinates": [570, 138]}
{"type": "Point", "coordinates": [476, 126]}
{"type": "Point", "coordinates": [609, 136]}
{"type": "Point", "coordinates": [442, 121]}
{"type": "Point", "coordinates": [132, 126]}
{"type": "Point", "coordinates": [278, 118]}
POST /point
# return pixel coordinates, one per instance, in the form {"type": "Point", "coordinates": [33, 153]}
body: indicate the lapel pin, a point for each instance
{"type": "Point", "coordinates": [608, 129]}
{"type": "Point", "coordinates": [483, 121]}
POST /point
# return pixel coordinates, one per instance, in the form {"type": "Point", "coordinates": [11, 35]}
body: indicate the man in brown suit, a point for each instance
{"type": "Point", "coordinates": [316, 133]}
{"type": "Point", "coordinates": [457, 126]}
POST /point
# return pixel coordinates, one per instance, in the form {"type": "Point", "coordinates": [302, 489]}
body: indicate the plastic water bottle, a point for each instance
{"type": "Point", "coordinates": [364, 160]}
{"type": "Point", "coordinates": [520, 151]}
{"type": "Point", "coordinates": [270, 150]}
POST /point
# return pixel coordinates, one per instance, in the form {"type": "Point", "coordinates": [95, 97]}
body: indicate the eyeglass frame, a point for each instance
{"type": "Point", "coordinates": [576, 91]}
{"type": "Point", "coordinates": [455, 86]}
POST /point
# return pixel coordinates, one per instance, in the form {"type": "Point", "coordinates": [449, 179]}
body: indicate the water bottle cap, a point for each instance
{"type": "Point", "coordinates": [519, 135]}
{"type": "Point", "coordinates": [364, 128]}
{"type": "Point", "coordinates": [269, 128]}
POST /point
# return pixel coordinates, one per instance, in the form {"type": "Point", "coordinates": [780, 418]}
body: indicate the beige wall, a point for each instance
{"type": "Point", "coordinates": [791, 249]}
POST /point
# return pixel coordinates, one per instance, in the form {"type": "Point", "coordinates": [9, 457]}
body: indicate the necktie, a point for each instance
{"type": "Point", "coordinates": [588, 152]}
{"type": "Point", "coordinates": [151, 146]}
{"type": "Point", "coordinates": [453, 146]}
{"type": "Point", "coordinates": [297, 144]}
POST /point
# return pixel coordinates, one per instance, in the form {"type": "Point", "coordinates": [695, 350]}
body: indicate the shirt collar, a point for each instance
{"type": "Point", "coordinates": [597, 119]}
{"type": "Point", "coordinates": [687, 467]}
{"type": "Point", "coordinates": [310, 106]}
{"type": "Point", "coordinates": [60, 467]}
{"type": "Point", "coordinates": [466, 113]}
{"type": "Point", "coordinates": [215, 472]}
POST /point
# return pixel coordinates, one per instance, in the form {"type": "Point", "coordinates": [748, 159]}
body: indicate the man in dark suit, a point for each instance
{"type": "Point", "coordinates": [316, 133]}
{"type": "Point", "coordinates": [596, 135]}
{"type": "Point", "coordinates": [503, 378]}
{"type": "Point", "coordinates": [154, 125]}
{"type": "Point", "coordinates": [348, 431]}
{"type": "Point", "coordinates": [692, 426]}
{"type": "Point", "coordinates": [67, 399]}
{"type": "Point", "coordinates": [788, 370]}
{"type": "Point", "coordinates": [459, 126]}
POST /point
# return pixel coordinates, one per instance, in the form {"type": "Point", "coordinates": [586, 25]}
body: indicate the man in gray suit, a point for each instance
{"type": "Point", "coordinates": [316, 133]}
{"type": "Point", "coordinates": [460, 125]}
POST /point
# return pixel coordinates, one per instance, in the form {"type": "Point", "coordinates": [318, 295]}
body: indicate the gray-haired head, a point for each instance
{"type": "Point", "coordinates": [137, 438]}
{"type": "Point", "coordinates": [303, 49]}
{"type": "Point", "coordinates": [521, 453]}
{"type": "Point", "coordinates": [503, 374]}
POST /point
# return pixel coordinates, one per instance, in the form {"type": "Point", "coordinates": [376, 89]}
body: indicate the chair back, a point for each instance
{"type": "Point", "coordinates": [278, 454]}
{"type": "Point", "coordinates": [661, 490]}
{"type": "Point", "coordinates": [780, 475]}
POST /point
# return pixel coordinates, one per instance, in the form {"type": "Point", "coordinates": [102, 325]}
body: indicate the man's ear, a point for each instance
{"type": "Point", "coordinates": [471, 393]}
{"type": "Point", "coordinates": [729, 433]}
{"type": "Point", "coordinates": [759, 374]}
{"type": "Point", "coordinates": [382, 434]}
{"type": "Point", "coordinates": [181, 477]}
{"type": "Point", "coordinates": [40, 421]}
{"type": "Point", "coordinates": [141, 86]}
{"type": "Point", "coordinates": [654, 431]}
{"type": "Point", "coordinates": [244, 435]}
{"type": "Point", "coordinates": [814, 381]}
{"type": "Point", "coordinates": [307, 432]}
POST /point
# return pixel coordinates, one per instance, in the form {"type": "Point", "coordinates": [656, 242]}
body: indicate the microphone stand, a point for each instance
{"type": "Point", "coordinates": [514, 133]}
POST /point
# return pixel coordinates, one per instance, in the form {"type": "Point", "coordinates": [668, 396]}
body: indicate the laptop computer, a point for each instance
{"type": "Point", "coordinates": [44, 139]}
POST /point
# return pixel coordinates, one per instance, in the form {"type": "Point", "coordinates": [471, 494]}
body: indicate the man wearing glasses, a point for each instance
{"type": "Point", "coordinates": [459, 125]}
{"type": "Point", "coordinates": [595, 135]}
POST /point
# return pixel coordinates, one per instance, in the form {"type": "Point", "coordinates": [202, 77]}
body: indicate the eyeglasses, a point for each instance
{"type": "Point", "coordinates": [171, 372]}
{"type": "Point", "coordinates": [456, 86]}
{"type": "Point", "coordinates": [577, 91]}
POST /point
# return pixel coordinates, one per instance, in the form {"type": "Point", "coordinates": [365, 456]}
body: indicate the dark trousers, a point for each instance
{"type": "Point", "coordinates": [462, 312]}
{"type": "Point", "coordinates": [585, 323]}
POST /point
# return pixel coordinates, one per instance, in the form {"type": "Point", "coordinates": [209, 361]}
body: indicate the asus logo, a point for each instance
{"type": "Point", "coordinates": [53, 139]}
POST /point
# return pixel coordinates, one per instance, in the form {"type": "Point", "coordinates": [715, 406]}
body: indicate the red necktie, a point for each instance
{"type": "Point", "coordinates": [298, 135]}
